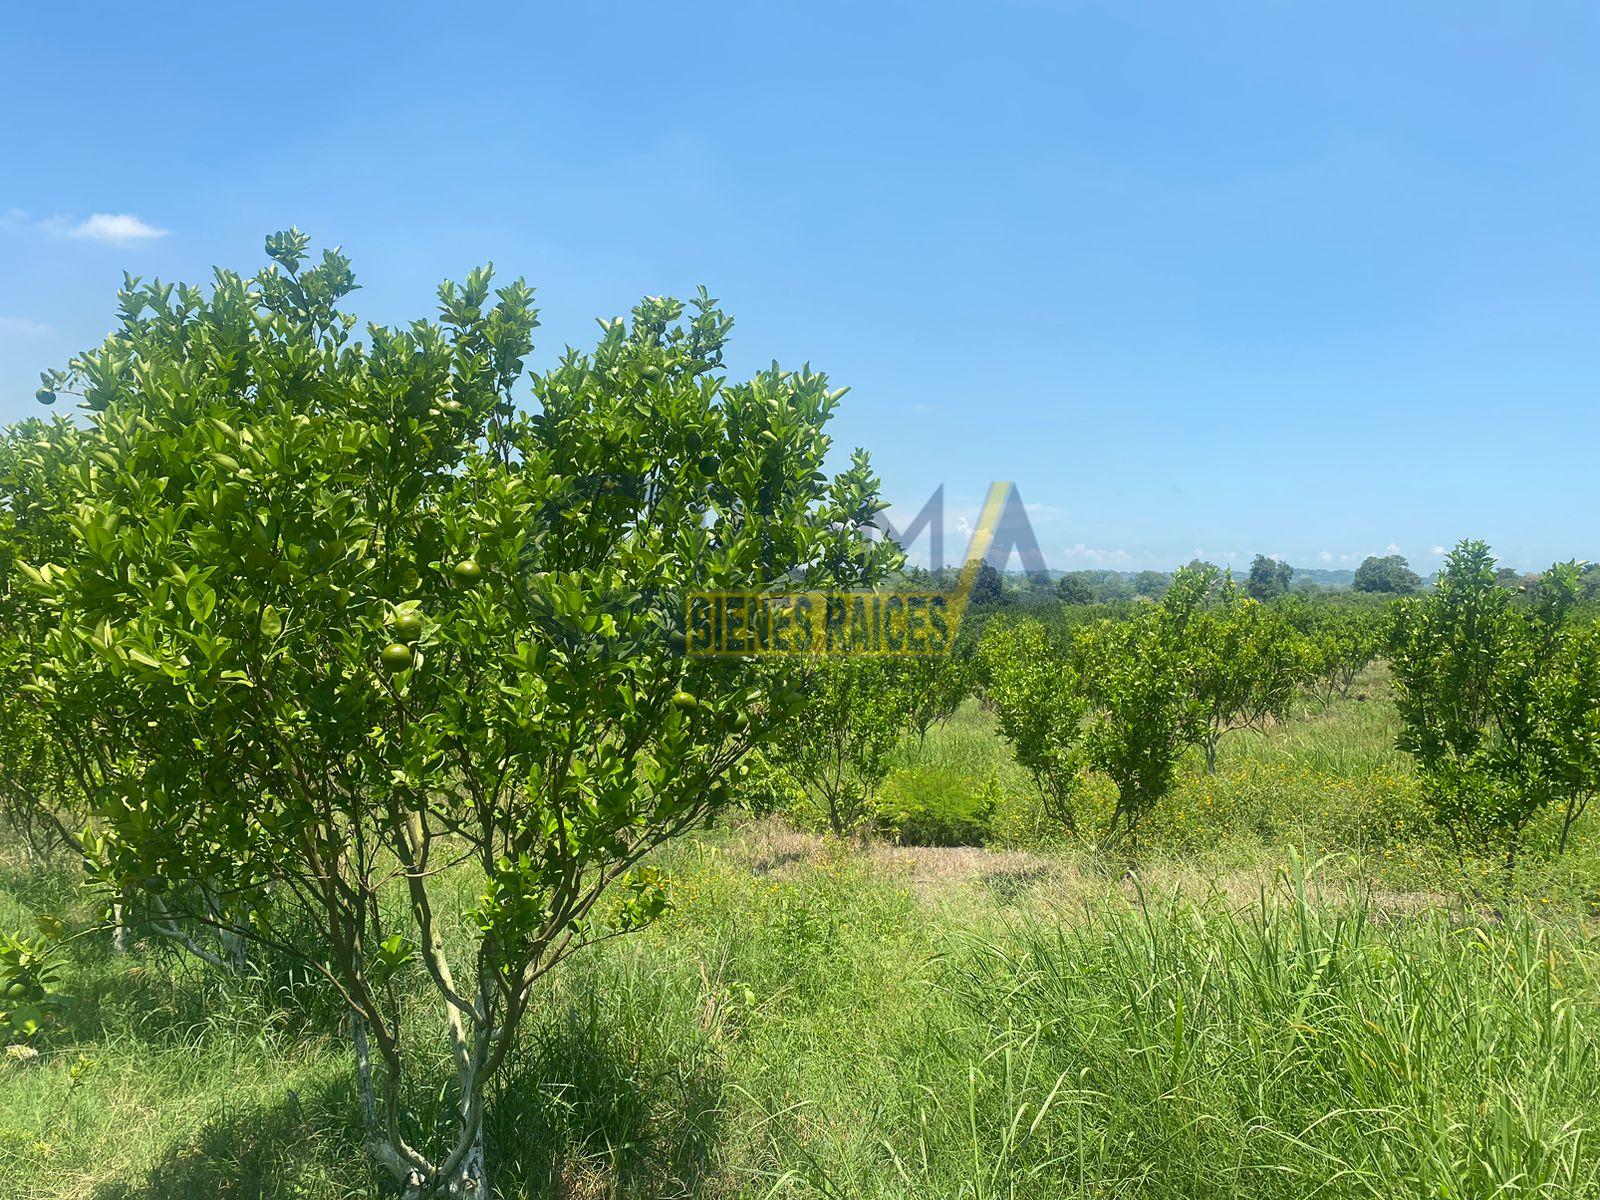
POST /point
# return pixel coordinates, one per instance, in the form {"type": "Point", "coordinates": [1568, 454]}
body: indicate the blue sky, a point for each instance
{"type": "Point", "coordinates": [1308, 280]}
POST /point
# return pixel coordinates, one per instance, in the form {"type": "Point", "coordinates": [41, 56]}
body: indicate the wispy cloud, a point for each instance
{"type": "Point", "coordinates": [22, 327]}
{"type": "Point", "coordinates": [115, 229]}
{"type": "Point", "coordinates": [1326, 556]}
{"type": "Point", "coordinates": [1436, 551]}
{"type": "Point", "coordinates": [1391, 548]}
{"type": "Point", "coordinates": [110, 229]}
{"type": "Point", "coordinates": [1081, 553]}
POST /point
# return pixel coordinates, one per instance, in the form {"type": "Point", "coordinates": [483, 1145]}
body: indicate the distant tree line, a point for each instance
{"type": "Point", "coordinates": [1268, 578]}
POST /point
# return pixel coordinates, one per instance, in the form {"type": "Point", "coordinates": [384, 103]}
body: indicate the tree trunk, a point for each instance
{"type": "Point", "coordinates": [471, 1181]}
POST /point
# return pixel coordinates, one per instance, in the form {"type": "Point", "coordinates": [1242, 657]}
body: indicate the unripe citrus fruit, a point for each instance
{"type": "Point", "coordinates": [396, 657]}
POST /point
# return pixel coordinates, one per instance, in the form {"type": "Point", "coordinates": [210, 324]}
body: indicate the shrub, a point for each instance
{"type": "Point", "coordinates": [1245, 662]}
{"type": "Point", "coordinates": [1122, 698]}
{"type": "Point", "coordinates": [1144, 711]}
{"type": "Point", "coordinates": [1500, 703]}
{"type": "Point", "coordinates": [336, 617]}
{"type": "Point", "coordinates": [42, 796]}
{"type": "Point", "coordinates": [837, 744]}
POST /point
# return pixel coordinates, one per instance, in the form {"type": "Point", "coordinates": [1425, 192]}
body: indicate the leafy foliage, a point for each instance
{"type": "Point", "coordinates": [1338, 642]}
{"type": "Point", "coordinates": [837, 743]}
{"type": "Point", "coordinates": [1073, 588]}
{"type": "Point", "coordinates": [336, 614]}
{"type": "Point", "coordinates": [1268, 578]}
{"type": "Point", "coordinates": [1247, 661]}
{"type": "Point", "coordinates": [1500, 702]}
{"type": "Point", "coordinates": [1121, 698]}
{"type": "Point", "coordinates": [1391, 573]}
{"type": "Point", "coordinates": [932, 687]}
{"type": "Point", "coordinates": [988, 588]}
{"type": "Point", "coordinates": [41, 784]}
{"type": "Point", "coordinates": [1035, 686]}
{"type": "Point", "coordinates": [1144, 710]}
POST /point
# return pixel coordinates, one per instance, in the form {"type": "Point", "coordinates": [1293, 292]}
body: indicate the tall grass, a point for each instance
{"type": "Point", "coordinates": [1300, 1047]}
{"type": "Point", "coordinates": [810, 1022]}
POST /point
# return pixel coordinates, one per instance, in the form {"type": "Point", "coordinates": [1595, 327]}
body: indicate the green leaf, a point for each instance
{"type": "Point", "coordinates": [201, 600]}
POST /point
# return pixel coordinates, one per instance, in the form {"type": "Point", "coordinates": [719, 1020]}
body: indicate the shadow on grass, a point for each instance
{"type": "Point", "coordinates": [304, 1145]}
{"type": "Point", "coordinates": [1010, 884]}
{"type": "Point", "coordinates": [584, 1113]}
{"type": "Point", "coordinates": [589, 1110]}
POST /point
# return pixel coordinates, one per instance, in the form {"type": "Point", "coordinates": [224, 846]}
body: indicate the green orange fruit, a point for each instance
{"type": "Point", "coordinates": [396, 657]}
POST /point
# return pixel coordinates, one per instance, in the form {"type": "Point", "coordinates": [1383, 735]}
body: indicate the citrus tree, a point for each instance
{"type": "Point", "coordinates": [1246, 663]}
{"type": "Point", "coordinates": [1568, 720]}
{"type": "Point", "coordinates": [838, 741]}
{"type": "Point", "coordinates": [1140, 679]}
{"type": "Point", "coordinates": [387, 658]}
{"type": "Point", "coordinates": [41, 783]}
{"type": "Point", "coordinates": [1499, 703]}
{"type": "Point", "coordinates": [1120, 698]}
{"type": "Point", "coordinates": [932, 687]}
{"type": "Point", "coordinates": [1339, 641]}
{"type": "Point", "coordinates": [1035, 688]}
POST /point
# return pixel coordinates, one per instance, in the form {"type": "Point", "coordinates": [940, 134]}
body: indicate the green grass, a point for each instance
{"type": "Point", "coordinates": [838, 1021]}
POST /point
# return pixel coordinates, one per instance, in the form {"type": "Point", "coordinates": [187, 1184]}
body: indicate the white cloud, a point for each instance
{"type": "Point", "coordinates": [1391, 548]}
{"type": "Point", "coordinates": [23, 327]}
{"type": "Point", "coordinates": [1325, 556]}
{"type": "Point", "coordinates": [1081, 553]}
{"type": "Point", "coordinates": [1436, 551]}
{"type": "Point", "coordinates": [111, 229]}
{"type": "Point", "coordinates": [115, 229]}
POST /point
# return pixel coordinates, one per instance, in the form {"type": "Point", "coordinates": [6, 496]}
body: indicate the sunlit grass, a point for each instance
{"type": "Point", "coordinates": [834, 1020]}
